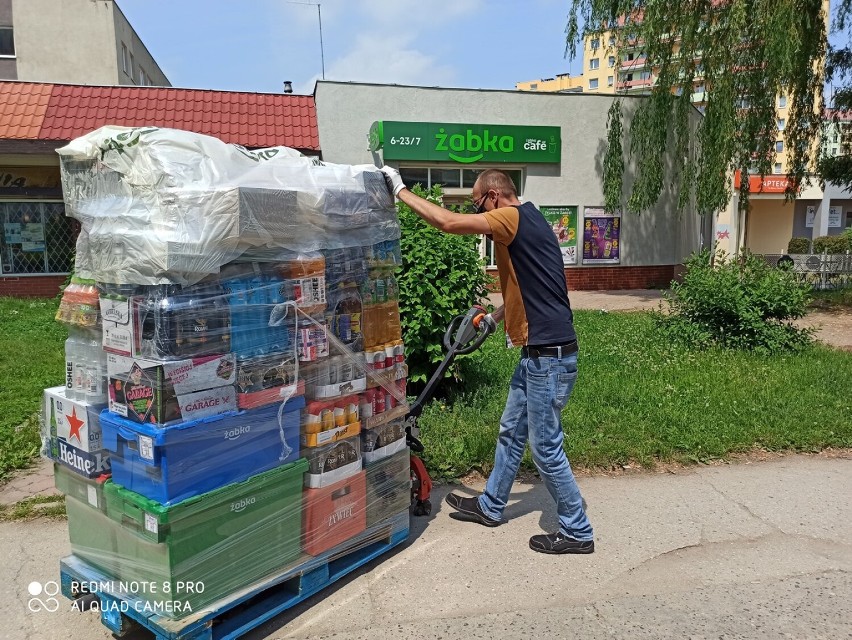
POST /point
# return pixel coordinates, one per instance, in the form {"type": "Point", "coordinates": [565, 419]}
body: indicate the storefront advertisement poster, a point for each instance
{"type": "Point", "coordinates": [601, 236]}
{"type": "Point", "coordinates": [810, 214]}
{"type": "Point", "coordinates": [835, 217]}
{"type": "Point", "coordinates": [32, 238]}
{"type": "Point", "coordinates": [563, 220]}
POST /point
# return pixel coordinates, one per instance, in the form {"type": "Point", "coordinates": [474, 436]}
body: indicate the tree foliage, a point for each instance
{"type": "Point", "coordinates": [746, 53]}
{"type": "Point", "coordinates": [838, 73]}
{"type": "Point", "coordinates": [442, 275]}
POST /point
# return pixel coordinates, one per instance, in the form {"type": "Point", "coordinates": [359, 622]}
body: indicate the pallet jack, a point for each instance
{"type": "Point", "coordinates": [464, 335]}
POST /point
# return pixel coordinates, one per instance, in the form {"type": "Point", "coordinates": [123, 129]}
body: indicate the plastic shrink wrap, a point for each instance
{"type": "Point", "coordinates": [236, 316]}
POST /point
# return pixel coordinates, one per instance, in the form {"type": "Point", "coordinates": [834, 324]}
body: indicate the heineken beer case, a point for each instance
{"type": "Point", "coordinates": [72, 435]}
{"type": "Point", "coordinates": [173, 463]}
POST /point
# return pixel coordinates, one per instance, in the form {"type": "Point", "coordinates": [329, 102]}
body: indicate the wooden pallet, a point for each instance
{"type": "Point", "coordinates": [243, 610]}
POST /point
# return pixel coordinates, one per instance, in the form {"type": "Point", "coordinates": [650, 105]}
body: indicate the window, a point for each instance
{"type": "Point", "coordinates": [446, 177]}
{"type": "Point", "coordinates": [611, 61]}
{"type": "Point", "coordinates": [125, 59]}
{"type": "Point", "coordinates": [37, 238]}
{"type": "Point", "coordinates": [534, 85]}
{"type": "Point", "coordinates": [412, 177]}
{"type": "Point", "coordinates": [132, 72]}
{"type": "Point", "coordinates": [595, 63]}
{"type": "Point", "coordinates": [779, 146]}
{"type": "Point", "coordinates": [609, 81]}
{"type": "Point", "coordinates": [777, 167]}
{"type": "Point", "coordinates": [593, 83]}
{"type": "Point", "coordinates": [780, 124]}
{"type": "Point", "coordinates": [595, 43]}
{"type": "Point", "coordinates": [612, 41]}
{"type": "Point", "coordinates": [143, 77]}
{"type": "Point", "coordinates": [782, 102]}
{"type": "Point", "coordinates": [7, 42]}
{"type": "Point", "coordinates": [451, 177]}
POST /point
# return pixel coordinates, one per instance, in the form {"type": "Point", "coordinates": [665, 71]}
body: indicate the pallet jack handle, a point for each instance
{"type": "Point", "coordinates": [464, 335]}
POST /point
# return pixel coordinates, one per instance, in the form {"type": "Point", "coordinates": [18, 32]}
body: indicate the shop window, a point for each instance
{"type": "Point", "coordinates": [593, 83]}
{"type": "Point", "coordinates": [7, 41]}
{"type": "Point", "coordinates": [37, 238]}
{"type": "Point", "coordinates": [447, 178]}
{"type": "Point", "coordinates": [595, 63]}
{"type": "Point", "coordinates": [413, 176]}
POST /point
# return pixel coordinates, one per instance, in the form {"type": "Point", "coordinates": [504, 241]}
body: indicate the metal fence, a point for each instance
{"type": "Point", "coordinates": [37, 238]}
{"type": "Point", "coordinates": [821, 270]}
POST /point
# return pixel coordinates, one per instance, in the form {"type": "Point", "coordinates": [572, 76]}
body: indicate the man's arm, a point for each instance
{"type": "Point", "coordinates": [438, 217]}
{"type": "Point", "coordinates": [443, 219]}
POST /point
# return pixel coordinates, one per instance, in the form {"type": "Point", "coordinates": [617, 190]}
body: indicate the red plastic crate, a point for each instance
{"type": "Point", "coordinates": [334, 514]}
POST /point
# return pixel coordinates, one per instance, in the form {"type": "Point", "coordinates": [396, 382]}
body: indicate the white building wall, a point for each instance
{"type": "Point", "coordinates": [662, 236]}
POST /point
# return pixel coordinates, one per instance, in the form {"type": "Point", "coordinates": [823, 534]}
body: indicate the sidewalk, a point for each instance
{"type": "Point", "coordinates": [622, 300]}
{"type": "Point", "coordinates": [760, 550]}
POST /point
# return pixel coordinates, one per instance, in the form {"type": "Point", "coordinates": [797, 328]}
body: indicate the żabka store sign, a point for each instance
{"type": "Point", "coordinates": [465, 143]}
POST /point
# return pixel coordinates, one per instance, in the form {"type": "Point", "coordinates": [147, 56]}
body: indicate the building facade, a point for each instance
{"type": "Point", "coordinates": [38, 240]}
{"type": "Point", "coordinates": [550, 143]}
{"type": "Point", "coordinates": [611, 66]}
{"type": "Point", "coordinates": [73, 41]}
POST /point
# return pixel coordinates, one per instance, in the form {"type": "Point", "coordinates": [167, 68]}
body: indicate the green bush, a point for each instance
{"type": "Point", "coordinates": [442, 276]}
{"type": "Point", "coordinates": [799, 245]}
{"type": "Point", "coordinates": [736, 303]}
{"type": "Point", "coordinates": [833, 244]}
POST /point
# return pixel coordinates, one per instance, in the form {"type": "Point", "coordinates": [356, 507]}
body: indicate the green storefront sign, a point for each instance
{"type": "Point", "coordinates": [465, 143]}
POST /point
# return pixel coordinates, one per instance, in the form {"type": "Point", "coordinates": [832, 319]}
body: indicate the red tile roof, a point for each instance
{"type": "Point", "coordinates": [22, 107]}
{"type": "Point", "coordinates": [250, 119]}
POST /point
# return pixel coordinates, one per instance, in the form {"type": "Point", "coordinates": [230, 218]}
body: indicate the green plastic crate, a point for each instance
{"type": "Point", "coordinates": [88, 491]}
{"type": "Point", "coordinates": [204, 548]}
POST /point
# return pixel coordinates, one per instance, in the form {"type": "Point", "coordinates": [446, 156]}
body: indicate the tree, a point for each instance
{"type": "Point", "coordinates": [838, 68]}
{"type": "Point", "coordinates": [746, 53]}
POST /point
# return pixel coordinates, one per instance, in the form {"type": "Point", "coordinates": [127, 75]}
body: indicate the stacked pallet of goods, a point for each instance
{"type": "Point", "coordinates": [239, 400]}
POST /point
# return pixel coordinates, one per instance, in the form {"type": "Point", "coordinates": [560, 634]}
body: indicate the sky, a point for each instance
{"type": "Point", "coordinates": [255, 45]}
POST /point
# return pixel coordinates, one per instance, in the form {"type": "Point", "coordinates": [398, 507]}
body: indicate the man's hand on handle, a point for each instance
{"type": "Point", "coordinates": [393, 180]}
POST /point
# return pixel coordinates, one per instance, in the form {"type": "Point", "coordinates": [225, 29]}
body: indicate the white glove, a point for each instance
{"type": "Point", "coordinates": [393, 179]}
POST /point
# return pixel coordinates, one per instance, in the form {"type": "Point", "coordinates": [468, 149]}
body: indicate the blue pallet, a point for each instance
{"type": "Point", "coordinates": [173, 463]}
{"type": "Point", "coordinates": [236, 615]}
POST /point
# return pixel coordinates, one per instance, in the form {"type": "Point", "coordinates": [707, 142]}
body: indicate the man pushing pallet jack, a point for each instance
{"type": "Point", "coordinates": [538, 319]}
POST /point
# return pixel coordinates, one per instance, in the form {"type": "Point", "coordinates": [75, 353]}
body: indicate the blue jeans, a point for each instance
{"type": "Point", "coordinates": [538, 392]}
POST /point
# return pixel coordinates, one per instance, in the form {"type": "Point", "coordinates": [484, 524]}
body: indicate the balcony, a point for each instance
{"type": "Point", "coordinates": [630, 86]}
{"type": "Point", "coordinates": [634, 65]}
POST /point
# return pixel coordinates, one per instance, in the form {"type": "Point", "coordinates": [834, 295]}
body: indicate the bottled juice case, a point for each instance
{"type": "Point", "coordinates": [234, 333]}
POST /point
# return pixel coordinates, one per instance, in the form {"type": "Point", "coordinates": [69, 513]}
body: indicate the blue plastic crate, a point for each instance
{"type": "Point", "coordinates": [173, 463]}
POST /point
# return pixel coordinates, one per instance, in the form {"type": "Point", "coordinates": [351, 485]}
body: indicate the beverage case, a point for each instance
{"type": "Point", "coordinates": [166, 391]}
{"type": "Point", "coordinates": [173, 463]}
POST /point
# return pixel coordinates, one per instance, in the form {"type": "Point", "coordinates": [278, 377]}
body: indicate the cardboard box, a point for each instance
{"type": "Point", "coordinates": [161, 392]}
{"type": "Point", "coordinates": [74, 421]}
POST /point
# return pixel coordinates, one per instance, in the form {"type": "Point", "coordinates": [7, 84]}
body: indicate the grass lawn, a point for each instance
{"type": "Point", "coordinates": [32, 357]}
{"type": "Point", "coordinates": [640, 399]}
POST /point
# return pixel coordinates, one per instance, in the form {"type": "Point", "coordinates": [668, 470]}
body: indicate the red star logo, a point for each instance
{"type": "Point", "coordinates": [75, 424]}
